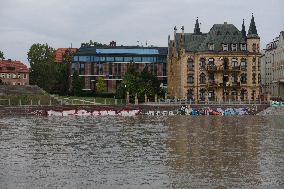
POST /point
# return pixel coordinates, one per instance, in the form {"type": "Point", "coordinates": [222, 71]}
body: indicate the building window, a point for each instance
{"type": "Point", "coordinates": [243, 78]}
{"type": "Point", "coordinates": [202, 63]}
{"type": "Point", "coordinates": [202, 78]}
{"type": "Point", "coordinates": [117, 69]}
{"type": "Point", "coordinates": [137, 59]}
{"type": "Point", "coordinates": [8, 75]}
{"type": "Point", "coordinates": [190, 94]}
{"type": "Point", "coordinates": [190, 79]}
{"type": "Point", "coordinates": [234, 47]}
{"type": "Point", "coordinates": [211, 77]}
{"type": "Point", "coordinates": [190, 65]}
{"type": "Point", "coordinates": [100, 70]}
{"type": "Point", "coordinates": [211, 47]}
{"type": "Point", "coordinates": [243, 63]}
{"type": "Point", "coordinates": [2, 75]}
{"type": "Point", "coordinates": [225, 47]}
{"type": "Point", "coordinates": [202, 93]}
{"type": "Point", "coordinates": [82, 69]}
{"type": "Point", "coordinates": [243, 47]}
{"type": "Point", "coordinates": [25, 76]}
{"type": "Point", "coordinates": [164, 69]}
{"type": "Point", "coordinates": [110, 68]}
{"type": "Point", "coordinates": [235, 62]}
{"type": "Point", "coordinates": [110, 59]}
{"type": "Point", "coordinates": [211, 61]}
{"type": "Point", "coordinates": [19, 75]}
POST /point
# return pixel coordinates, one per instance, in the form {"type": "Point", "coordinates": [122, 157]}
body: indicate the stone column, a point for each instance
{"type": "Point", "coordinates": [145, 98]}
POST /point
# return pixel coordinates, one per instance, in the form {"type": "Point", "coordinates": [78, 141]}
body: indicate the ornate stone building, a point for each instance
{"type": "Point", "coordinates": [221, 65]}
{"type": "Point", "coordinates": [273, 68]}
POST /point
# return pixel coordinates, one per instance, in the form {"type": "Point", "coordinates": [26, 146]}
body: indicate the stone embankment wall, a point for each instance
{"type": "Point", "coordinates": [277, 110]}
{"type": "Point", "coordinates": [131, 109]}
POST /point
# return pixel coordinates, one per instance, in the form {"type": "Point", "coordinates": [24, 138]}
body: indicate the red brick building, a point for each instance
{"type": "Point", "coordinates": [13, 72]}
{"type": "Point", "coordinates": [59, 53]}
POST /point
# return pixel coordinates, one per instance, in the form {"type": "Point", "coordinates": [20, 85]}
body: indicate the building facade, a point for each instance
{"type": "Point", "coordinates": [111, 63]}
{"type": "Point", "coordinates": [13, 73]}
{"type": "Point", "coordinates": [221, 65]}
{"type": "Point", "coordinates": [60, 52]}
{"type": "Point", "coordinates": [273, 68]}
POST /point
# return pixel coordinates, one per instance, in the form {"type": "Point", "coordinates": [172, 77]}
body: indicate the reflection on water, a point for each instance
{"type": "Point", "coordinates": [142, 152]}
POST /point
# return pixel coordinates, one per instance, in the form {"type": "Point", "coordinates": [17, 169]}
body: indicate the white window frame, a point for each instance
{"type": "Point", "coordinates": [234, 47]}
{"type": "Point", "coordinates": [225, 47]}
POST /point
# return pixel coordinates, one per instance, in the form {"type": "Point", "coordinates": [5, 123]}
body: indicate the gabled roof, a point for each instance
{"type": "Point", "coordinates": [18, 67]}
{"type": "Point", "coordinates": [218, 34]}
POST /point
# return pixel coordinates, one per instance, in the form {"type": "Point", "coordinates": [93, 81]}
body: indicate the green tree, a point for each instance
{"type": "Point", "coordinates": [77, 84]}
{"type": "Point", "coordinates": [43, 68]}
{"type": "Point", "coordinates": [100, 85]}
{"type": "Point", "coordinates": [61, 84]}
{"type": "Point", "coordinates": [67, 60]}
{"type": "Point", "coordinates": [2, 55]}
{"type": "Point", "coordinates": [138, 83]}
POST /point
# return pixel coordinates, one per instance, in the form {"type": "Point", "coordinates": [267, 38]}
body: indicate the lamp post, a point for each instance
{"type": "Point", "coordinates": [127, 95]}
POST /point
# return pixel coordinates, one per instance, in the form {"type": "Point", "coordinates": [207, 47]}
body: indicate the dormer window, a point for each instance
{"type": "Point", "coordinates": [211, 47]}
{"type": "Point", "coordinates": [234, 47]}
{"type": "Point", "coordinates": [225, 47]}
{"type": "Point", "coordinates": [243, 47]}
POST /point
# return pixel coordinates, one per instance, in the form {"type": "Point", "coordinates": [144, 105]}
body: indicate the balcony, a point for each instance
{"type": "Point", "coordinates": [211, 68]}
{"type": "Point", "coordinates": [212, 84]}
{"type": "Point", "coordinates": [235, 69]}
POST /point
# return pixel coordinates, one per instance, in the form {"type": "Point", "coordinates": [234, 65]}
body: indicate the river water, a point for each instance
{"type": "Point", "coordinates": [142, 152]}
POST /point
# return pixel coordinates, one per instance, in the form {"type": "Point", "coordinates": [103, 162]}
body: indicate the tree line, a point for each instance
{"type": "Point", "coordinates": [51, 76]}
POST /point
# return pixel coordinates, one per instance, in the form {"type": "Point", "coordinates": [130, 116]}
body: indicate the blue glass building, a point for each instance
{"type": "Point", "coordinates": [111, 62]}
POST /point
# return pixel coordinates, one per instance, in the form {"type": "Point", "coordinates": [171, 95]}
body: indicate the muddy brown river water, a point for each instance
{"type": "Point", "coordinates": [142, 152]}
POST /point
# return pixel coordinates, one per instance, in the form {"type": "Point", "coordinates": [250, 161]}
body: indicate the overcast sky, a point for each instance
{"type": "Point", "coordinates": [62, 22]}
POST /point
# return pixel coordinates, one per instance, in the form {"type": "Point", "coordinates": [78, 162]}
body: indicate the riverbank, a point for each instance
{"type": "Point", "coordinates": [273, 110]}
{"type": "Point", "coordinates": [131, 110]}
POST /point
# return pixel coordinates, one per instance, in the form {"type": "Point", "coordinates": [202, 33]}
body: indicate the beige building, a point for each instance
{"type": "Point", "coordinates": [221, 65]}
{"type": "Point", "coordinates": [273, 68]}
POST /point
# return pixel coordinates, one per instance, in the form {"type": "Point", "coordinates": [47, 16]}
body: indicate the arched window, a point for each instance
{"type": "Point", "coordinates": [235, 62]}
{"type": "Point", "coordinates": [243, 63]}
{"type": "Point", "coordinates": [211, 77]}
{"type": "Point", "coordinates": [211, 95]}
{"type": "Point", "coordinates": [243, 94]}
{"type": "Point", "coordinates": [243, 78]}
{"type": "Point", "coordinates": [202, 78]}
{"type": "Point", "coordinates": [226, 63]}
{"type": "Point", "coordinates": [202, 63]}
{"type": "Point", "coordinates": [190, 94]}
{"type": "Point", "coordinates": [202, 93]}
{"type": "Point", "coordinates": [190, 79]}
{"type": "Point", "coordinates": [190, 64]}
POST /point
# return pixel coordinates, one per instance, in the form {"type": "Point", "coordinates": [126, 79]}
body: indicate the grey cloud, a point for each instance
{"type": "Point", "coordinates": [62, 22]}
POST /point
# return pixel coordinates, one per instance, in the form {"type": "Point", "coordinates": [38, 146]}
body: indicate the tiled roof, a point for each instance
{"type": "Point", "coordinates": [60, 52]}
{"type": "Point", "coordinates": [218, 34]}
{"type": "Point", "coordinates": [13, 67]}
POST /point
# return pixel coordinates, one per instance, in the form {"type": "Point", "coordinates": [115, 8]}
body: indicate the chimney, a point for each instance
{"type": "Point", "coordinates": [112, 44]}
